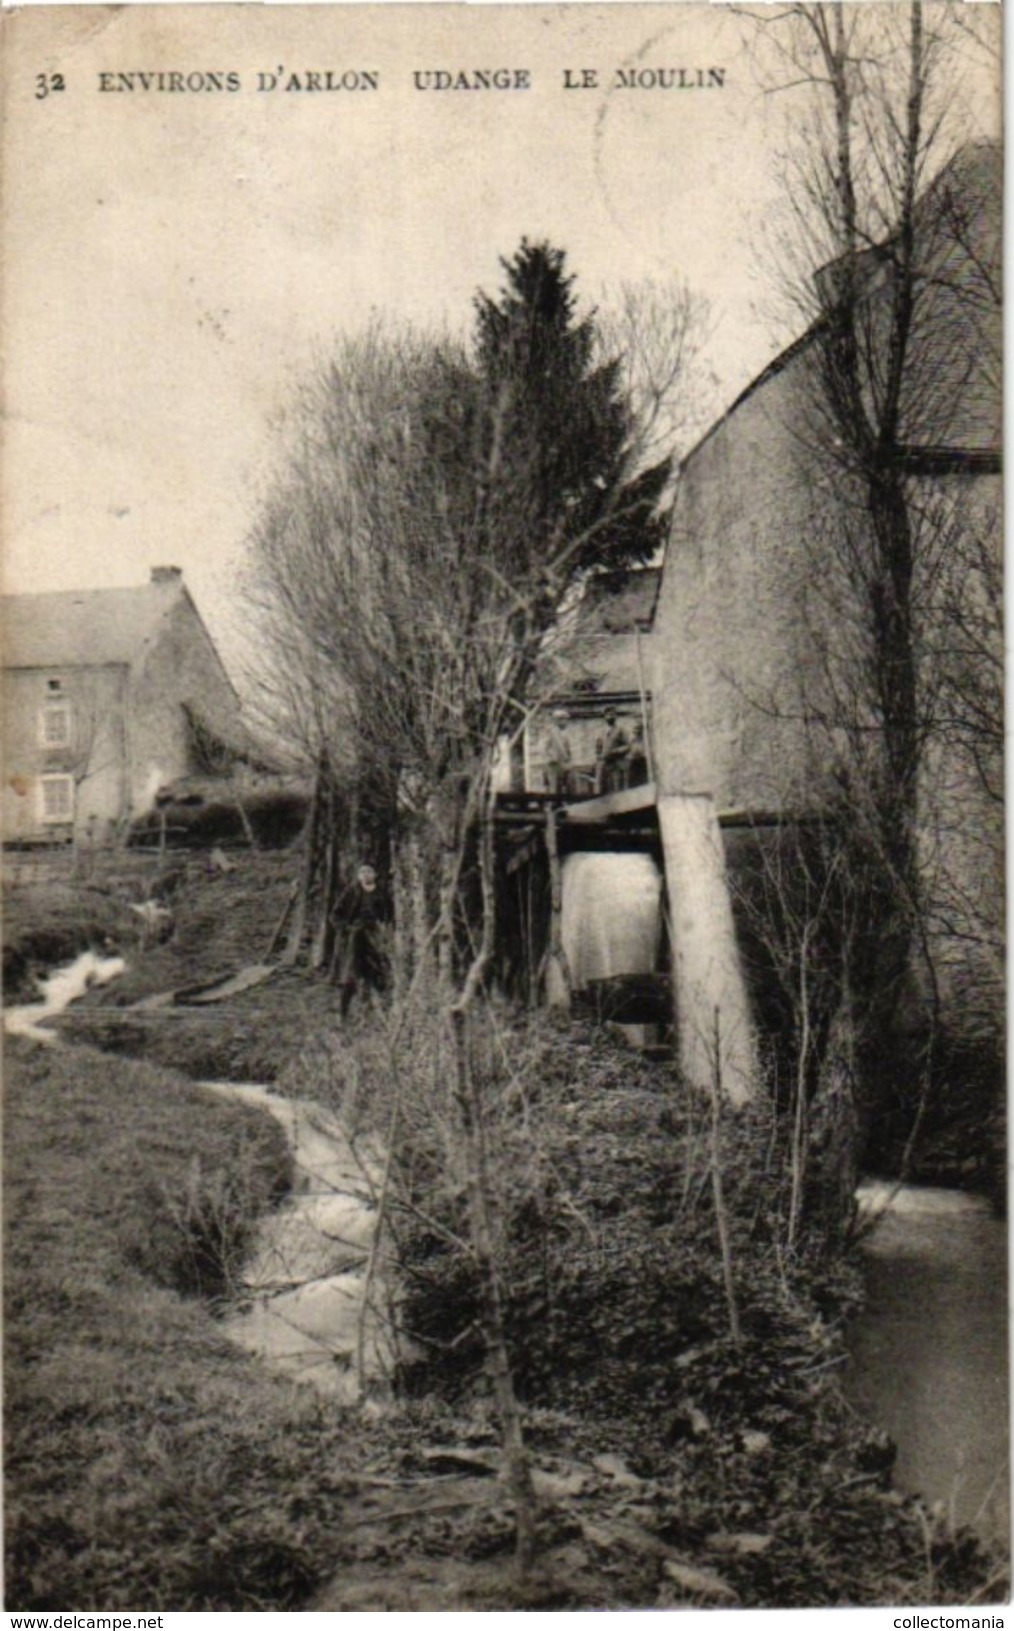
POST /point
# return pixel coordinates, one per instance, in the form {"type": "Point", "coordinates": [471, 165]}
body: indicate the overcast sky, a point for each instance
{"type": "Point", "coordinates": [175, 260]}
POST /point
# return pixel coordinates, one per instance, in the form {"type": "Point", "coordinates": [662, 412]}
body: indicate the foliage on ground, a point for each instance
{"type": "Point", "coordinates": [148, 1462]}
{"type": "Point", "coordinates": [620, 1319]}
{"type": "Point", "coordinates": [250, 1038]}
{"type": "Point", "coordinates": [220, 921]}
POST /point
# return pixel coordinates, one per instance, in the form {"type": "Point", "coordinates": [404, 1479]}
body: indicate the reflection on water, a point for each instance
{"type": "Point", "coordinates": [929, 1351]}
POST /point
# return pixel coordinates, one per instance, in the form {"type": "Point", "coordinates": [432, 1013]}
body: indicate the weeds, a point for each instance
{"type": "Point", "coordinates": [615, 1276]}
{"type": "Point", "coordinates": [201, 1228]}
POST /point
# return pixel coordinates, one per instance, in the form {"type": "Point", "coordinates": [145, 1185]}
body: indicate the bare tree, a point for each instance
{"type": "Point", "coordinates": [900, 292]}
{"type": "Point", "coordinates": [436, 509]}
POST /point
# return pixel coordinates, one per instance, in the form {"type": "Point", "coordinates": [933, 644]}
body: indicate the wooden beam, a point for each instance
{"type": "Point", "coordinates": [629, 801]}
{"type": "Point", "coordinates": [770, 818]}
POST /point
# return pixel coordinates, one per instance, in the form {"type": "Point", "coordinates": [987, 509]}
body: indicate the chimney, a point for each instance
{"type": "Point", "coordinates": [166, 574]}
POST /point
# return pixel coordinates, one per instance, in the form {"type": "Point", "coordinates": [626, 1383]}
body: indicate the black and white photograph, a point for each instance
{"type": "Point", "coordinates": [503, 810]}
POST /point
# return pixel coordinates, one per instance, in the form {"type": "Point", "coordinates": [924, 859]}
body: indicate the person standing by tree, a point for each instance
{"type": "Point", "coordinates": [360, 962]}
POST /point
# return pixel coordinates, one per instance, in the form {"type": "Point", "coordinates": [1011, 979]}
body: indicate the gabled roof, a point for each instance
{"type": "Point", "coordinates": [85, 628]}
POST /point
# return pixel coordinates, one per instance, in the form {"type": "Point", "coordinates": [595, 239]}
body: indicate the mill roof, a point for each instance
{"type": "Point", "coordinates": [85, 628]}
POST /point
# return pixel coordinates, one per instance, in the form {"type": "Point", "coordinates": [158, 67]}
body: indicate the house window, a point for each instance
{"type": "Point", "coordinates": [57, 798]}
{"type": "Point", "coordinates": [55, 726]}
{"type": "Point", "coordinates": [54, 686]}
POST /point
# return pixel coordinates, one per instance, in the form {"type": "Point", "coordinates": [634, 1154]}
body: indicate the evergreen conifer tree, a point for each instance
{"type": "Point", "coordinates": [558, 434]}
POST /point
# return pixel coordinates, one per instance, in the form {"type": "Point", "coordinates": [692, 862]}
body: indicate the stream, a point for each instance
{"type": "Point", "coordinates": [928, 1352]}
{"type": "Point", "coordinates": [929, 1349]}
{"type": "Point", "coordinates": [300, 1305]}
{"type": "Point", "coordinates": [57, 991]}
{"type": "Point", "coordinates": [303, 1292]}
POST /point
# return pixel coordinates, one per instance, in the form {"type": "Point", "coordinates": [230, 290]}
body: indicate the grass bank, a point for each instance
{"type": "Point", "coordinates": [151, 1465]}
{"type": "Point", "coordinates": [148, 1462]}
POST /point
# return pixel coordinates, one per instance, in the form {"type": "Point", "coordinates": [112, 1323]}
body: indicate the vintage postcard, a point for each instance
{"type": "Point", "coordinates": [502, 804]}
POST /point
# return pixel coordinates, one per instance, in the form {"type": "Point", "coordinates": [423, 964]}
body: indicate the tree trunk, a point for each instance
{"type": "Point", "coordinates": [517, 1468]}
{"type": "Point", "coordinates": [445, 921]}
{"type": "Point", "coordinates": [297, 928]}
{"type": "Point", "coordinates": [401, 960]}
{"type": "Point", "coordinates": [835, 1136]}
{"type": "Point", "coordinates": [517, 765]}
{"type": "Point", "coordinates": [319, 947]}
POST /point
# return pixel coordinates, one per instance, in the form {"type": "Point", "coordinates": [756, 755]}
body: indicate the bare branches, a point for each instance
{"type": "Point", "coordinates": [659, 331]}
{"type": "Point", "coordinates": [433, 510]}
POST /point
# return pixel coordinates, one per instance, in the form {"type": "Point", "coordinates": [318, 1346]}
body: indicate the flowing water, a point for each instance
{"type": "Point", "coordinates": [57, 991]}
{"type": "Point", "coordinates": [303, 1293]}
{"type": "Point", "coordinates": [302, 1303]}
{"type": "Point", "coordinates": [611, 919]}
{"type": "Point", "coordinates": [929, 1350]}
{"type": "Point", "coordinates": [610, 915]}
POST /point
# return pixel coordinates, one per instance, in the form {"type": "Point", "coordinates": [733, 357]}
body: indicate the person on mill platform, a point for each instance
{"type": "Point", "coordinates": [637, 764]}
{"type": "Point", "coordinates": [615, 753]}
{"type": "Point", "coordinates": [559, 757]}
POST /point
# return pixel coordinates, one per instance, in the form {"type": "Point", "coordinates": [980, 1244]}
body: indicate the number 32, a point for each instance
{"type": "Point", "coordinates": [44, 83]}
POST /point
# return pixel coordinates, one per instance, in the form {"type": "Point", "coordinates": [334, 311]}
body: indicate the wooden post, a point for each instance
{"type": "Point", "coordinates": [290, 902]}
{"type": "Point", "coordinates": [717, 1188]}
{"type": "Point", "coordinates": [649, 756]}
{"type": "Point", "coordinates": [492, 1317]}
{"type": "Point", "coordinates": [421, 947]}
{"type": "Point", "coordinates": [528, 907]}
{"type": "Point", "coordinates": [401, 955]}
{"type": "Point", "coordinates": [298, 925]}
{"type": "Point", "coordinates": [319, 944]}
{"type": "Point", "coordinates": [558, 989]}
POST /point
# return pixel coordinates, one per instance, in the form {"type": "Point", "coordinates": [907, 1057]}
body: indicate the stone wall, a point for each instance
{"type": "Point", "coordinates": [730, 636]}
{"type": "Point", "coordinates": [750, 607]}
